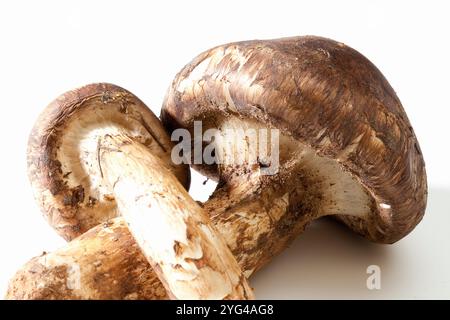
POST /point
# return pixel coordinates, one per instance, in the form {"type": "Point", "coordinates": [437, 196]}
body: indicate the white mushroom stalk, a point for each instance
{"type": "Point", "coordinates": [173, 231]}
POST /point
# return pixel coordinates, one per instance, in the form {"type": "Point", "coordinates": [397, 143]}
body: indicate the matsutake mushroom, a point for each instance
{"type": "Point", "coordinates": [346, 147]}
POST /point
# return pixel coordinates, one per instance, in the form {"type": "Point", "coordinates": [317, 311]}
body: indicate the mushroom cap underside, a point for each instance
{"type": "Point", "coordinates": [63, 164]}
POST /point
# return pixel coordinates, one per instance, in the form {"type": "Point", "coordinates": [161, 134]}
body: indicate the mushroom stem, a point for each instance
{"type": "Point", "coordinates": [261, 213]}
{"type": "Point", "coordinates": [174, 233]}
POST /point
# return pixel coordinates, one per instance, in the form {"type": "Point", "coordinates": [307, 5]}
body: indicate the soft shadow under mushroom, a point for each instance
{"type": "Point", "coordinates": [327, 262]}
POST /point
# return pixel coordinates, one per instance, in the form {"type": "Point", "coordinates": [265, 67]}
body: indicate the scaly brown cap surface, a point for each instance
{"type": "Point", "coordinates": [329, 98]}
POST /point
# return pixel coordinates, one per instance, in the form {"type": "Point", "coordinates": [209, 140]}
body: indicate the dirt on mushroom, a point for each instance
{"type": "Point", "coordinates": [347, 149]}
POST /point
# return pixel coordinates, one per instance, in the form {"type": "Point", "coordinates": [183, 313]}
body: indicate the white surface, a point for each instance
{"type": "Point", "coordinates": [48, 47]}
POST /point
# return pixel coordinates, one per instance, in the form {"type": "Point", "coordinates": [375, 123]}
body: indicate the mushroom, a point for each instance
{"type": "Point", "coordinates": [346, 146]}
{"type": "Point", "coordinates": [172, 230]}
{"type": "Point", "coordinates": [347, 149]}
{"type": "Point", "coordinates": [63, 153]}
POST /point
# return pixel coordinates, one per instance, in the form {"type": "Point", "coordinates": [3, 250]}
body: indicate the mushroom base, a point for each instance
{"type": "Point", "coordinates": [103, 263]}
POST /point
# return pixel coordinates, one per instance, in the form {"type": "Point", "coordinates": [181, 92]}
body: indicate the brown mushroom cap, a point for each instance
{"type": "Point", "coordinates": [328, 98]}
{"type": "Point", "coordinates": [63, 153]}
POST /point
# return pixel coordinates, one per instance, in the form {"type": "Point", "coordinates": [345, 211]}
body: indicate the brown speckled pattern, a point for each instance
{"type": "Point", "coordinates": [327, 96]}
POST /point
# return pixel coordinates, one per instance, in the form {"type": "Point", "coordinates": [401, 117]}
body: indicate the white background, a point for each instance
{"type": "Point", "coordinates": [48, 47]}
